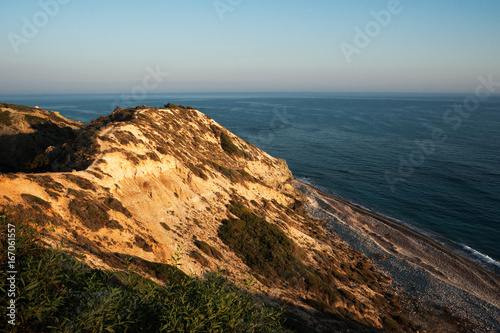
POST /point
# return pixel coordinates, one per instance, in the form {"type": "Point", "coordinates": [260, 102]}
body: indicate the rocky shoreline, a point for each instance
{"type": "Point", "coordinates": [418, 264]}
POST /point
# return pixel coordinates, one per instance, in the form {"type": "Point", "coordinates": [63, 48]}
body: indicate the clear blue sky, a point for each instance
{"type": "Point", "coordinates": [105, 46]}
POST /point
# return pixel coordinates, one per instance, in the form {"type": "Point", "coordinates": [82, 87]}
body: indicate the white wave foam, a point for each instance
{"type": "Point", "coordinates": [481, 256]}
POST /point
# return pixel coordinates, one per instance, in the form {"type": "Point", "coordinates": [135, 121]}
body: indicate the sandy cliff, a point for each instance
{"type": "Point", "coordinates": [159, 183]}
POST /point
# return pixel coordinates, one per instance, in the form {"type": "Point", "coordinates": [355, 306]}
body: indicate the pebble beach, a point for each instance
{"type": "Point", "coordinates": [420, 265]}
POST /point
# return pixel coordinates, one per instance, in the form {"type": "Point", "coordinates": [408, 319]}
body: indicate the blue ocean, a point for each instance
{"type": "Point", "coordinates": [431, 161]}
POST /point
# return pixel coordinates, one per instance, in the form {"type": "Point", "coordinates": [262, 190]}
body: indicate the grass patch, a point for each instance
{"type": "Point", "coordinates": [263, 246]}
{"type": "Point", "coordinates": [39, 163]}
{"type": "Point", "coordinates": [81, 195]}
{"type": "Point", "coordinates": [114, 224]}
{"type": "Point", "coordinates": [17, 107]}
{"type": "Point", "coordinates": [5, 118]}
{"type": "Point", "coordinates": [35, 120]}
{"type": "Point", "coordinates": [321, 306]}
{"type": "Point", "coordinates": [197, 170]}
{"type": "Point", "coordinates": [92, 213]}
{"type": "Point", "coordinates": [81, 182]}
{"type": "Point", "coordinates": [52, 194]}
{"type": "Point", "coordinates": [56, 293]}
{"type": "Point", "coordinates": [200, 258]}
{"type": "Point", "coordinates": [126, 138]}
{"type": "Point", "coordinates": [267, 250]}
{"type": "Point", "coordinates": [141, 243]}
{"type": "Point", "coordinates": [116, 205]}
{"type": "Point", "coordinates": [208, 250]}
{"type": "Point", "coordinates": [162, 150]}
{"type": "Point", "coordinates": [229, 147]}
{"type": "Point", "coordinates": [36, 201]}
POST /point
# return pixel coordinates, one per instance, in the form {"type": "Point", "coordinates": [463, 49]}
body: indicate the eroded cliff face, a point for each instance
{"type": "Point", "coordinates": [161, 183]}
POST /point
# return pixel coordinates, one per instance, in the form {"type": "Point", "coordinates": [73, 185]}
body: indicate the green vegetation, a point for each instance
{"type": "Point", "coordinates": [114, 224]}
{"type": "Point", "coordinates": [56, 293]}
{"type": "Point", "coordinates": [116, 205]}
{"type": "Point", "coordinates": [234, 175]}
{"type": "Point", "coordinates": [141, 242]}
{"type": "Point", "coordinates": [229, 147]}
{"type": "Point", "coordinates": [263, 246]}
{"type": "Point", "coordinates": [127, 138]}
{"type": "Point", "coordinates": [35, 201]}
{"type": "Point", "coordinates": [208, 250]}
{"type": "Point", "coordinates": [92, 213]}
{"type": "Point", "coordinates": [198, 170]}
{"type": "Point", "coordinates": [39, 163]}
{"type": "Point", "coordinates": [17, 107]}
{"type": "Point", "coordinates": [200, 258]}
{"type": "Point", "coordinates": [174, 106]}
{"type": "Point", "coordinates": [197, 222]}
{"type": "Point", "coordinates": [162, 150]}
{"type": "Point", "coordinates": [80, 181]}
{"type": "Point", "coordinates": [5, 118]}
{"type": "Point", "coordinates": [268, 251]}
{"type": "Point", "coordinates": [165, 226]}
{"type": "Point", "coordinates": [35, 120]}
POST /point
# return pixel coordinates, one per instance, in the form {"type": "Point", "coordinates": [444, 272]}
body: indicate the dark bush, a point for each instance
{"type": "Point", "coordinates": [208, 250]}
{"type": "Point", "coordinates": [200, 258]}
{"type": "Point", "coordinates": [5, 118]}
{"type": "Point", "coordinates": [34, 200]}
{"type": "Point", "coordinates": [141, 242]}
{"type": "Point", "coordinates": [116, 205]}
{"type": "Point", "coordinates": [197, 170]}
{"type": "Point", "coordinates": [263, 246]}
{"type": "Point", "coordinates": [228, 146]}
{"type": "Point", "coordinates": [114, 224]}
{"type": "Point", "coordinates": [321, 306]}
{"type": "Point", "coordinates": [80, 181]}
{"type": "Point", "coordinates": [35, 120]}
{"type": "Point", "coordinates": [390, 325]}
{"type": "Point", "coordinates": [92, 213]}
{"type": "Point", "coordinates": [170, 106]}
{"type": "Point", "coordinates": [39, 163]}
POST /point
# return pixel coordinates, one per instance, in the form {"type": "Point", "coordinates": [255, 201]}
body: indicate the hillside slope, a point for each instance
{"type": "Point", "coordinates": [159, 184]}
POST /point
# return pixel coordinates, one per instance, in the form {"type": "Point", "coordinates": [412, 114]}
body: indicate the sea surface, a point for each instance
{"type": "Point", "coordinates": [431, 161]}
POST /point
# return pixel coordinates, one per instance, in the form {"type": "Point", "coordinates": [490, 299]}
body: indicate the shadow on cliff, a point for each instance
{"type": "Point", "coordinates": [18, 151]}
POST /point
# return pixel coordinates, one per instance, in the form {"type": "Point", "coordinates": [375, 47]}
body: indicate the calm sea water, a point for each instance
{"type": "Point", "coordinates": [415, 158]}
